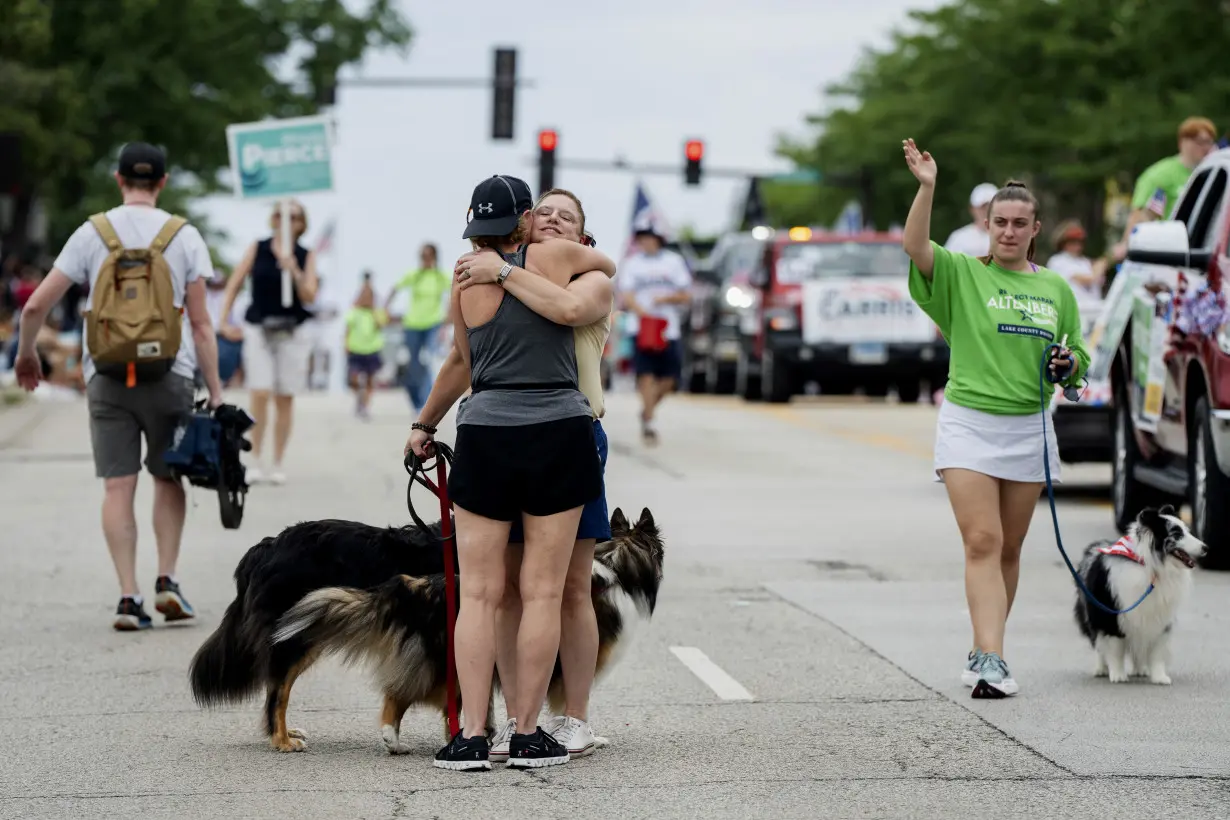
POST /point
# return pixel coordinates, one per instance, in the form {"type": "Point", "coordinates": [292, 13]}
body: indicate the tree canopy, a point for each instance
{"type": "Point", "coordinates": [1068, 95]}
{"type": "Point", "coordinates": [82, 78]}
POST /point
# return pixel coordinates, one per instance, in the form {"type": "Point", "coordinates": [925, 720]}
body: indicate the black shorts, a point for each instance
{"type": "Point", "coordinates": [539, 469]}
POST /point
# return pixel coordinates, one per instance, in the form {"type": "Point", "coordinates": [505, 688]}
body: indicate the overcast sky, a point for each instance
{"type": "Point", "coordinates": [635, 78]}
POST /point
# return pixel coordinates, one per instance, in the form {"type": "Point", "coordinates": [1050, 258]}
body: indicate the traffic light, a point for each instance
{"type": "Point", "coordinates": [547, 140]}
{"type": "Point", "coordinates": [694, 151]}
{"type": "Point", "coordinates": [505, 90]}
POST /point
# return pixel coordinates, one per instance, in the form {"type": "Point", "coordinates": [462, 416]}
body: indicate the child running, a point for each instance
{"type": "Point", "coordinates": [364, 342]}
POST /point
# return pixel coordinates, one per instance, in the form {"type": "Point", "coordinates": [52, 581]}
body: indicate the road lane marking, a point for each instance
{"type": "Point", "coordinates": [882, 440]}
{"type": "Point", "coordinates": [712, 675]}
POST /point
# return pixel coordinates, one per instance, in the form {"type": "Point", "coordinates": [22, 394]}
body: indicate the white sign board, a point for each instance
{"type": "Point", "coordinates": [849, 310]}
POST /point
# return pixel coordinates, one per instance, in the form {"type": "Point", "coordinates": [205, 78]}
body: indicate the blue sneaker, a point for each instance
{"type": "Point", "coordinates": [969, 675]}
{"type": "Point", "coordinates": [170, 601]}
{"type": "Point", "coordinates": [994, 679]}
{"type": "Point", "coordinates": [131, 616]}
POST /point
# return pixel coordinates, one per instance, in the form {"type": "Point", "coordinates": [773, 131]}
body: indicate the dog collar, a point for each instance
{"type": "Point", "coordinates": [1122, 548]}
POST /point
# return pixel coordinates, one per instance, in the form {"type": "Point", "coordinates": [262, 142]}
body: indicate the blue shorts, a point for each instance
{"type": "Point", "coordinates": [665, 364]}
{"type": "Point", "coordinates": [595, 520]}
{"type": "Point", "coordinates": [230, 356]}
{"type": "Point", "coordinates": [368, 364]}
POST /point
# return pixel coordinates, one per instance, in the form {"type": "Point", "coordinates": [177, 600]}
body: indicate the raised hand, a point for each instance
{"type": "Point", "coordinates": [922, 164]}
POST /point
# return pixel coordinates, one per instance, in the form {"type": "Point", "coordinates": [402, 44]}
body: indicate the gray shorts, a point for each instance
{"type": "Point", "coordinates": [119, 415]}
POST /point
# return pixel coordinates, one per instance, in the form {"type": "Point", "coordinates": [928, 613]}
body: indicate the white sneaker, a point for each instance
{"type": "Point", "coordinates": [277, 476]}
{"type": "Point", "coordinates": [255, 473]}
{"type": "Point", "coordinates": [499, 742]}
{"type": "Point", "coordinates": [573, 734]}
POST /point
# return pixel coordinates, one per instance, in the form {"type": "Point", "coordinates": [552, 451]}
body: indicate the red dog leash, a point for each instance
{"type": "Point", "coordinates": [418, 472]}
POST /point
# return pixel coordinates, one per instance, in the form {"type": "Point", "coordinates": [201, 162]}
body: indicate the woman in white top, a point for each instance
{"type": "Point", "coordinates": [1083, 274]}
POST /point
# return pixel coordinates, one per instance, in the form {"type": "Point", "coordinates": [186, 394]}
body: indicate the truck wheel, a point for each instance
{"type": "Point", "coordinates": [1130, 496]}
{"type": "Point", "coordinates": [747, 385]}
{"type": "Point", "coordinates": [909, 391]}
{"type": "Point", "coordinates": [718, 380]}
{"type": "Point", "coordinates": [775, 379]}
{"type": "Point", "coordinates": [1209, 489]}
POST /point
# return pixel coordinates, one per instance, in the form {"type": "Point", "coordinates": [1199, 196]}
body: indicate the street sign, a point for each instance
{"type": "Point", "coordinates": [281, 158]}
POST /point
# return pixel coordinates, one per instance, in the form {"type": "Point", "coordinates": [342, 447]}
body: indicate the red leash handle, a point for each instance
{"type": "Point", "coordinates": [450, 596]}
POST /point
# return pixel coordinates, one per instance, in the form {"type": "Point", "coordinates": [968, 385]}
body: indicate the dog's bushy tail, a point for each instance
{"type": "Point", "coordinates": [229, 665]}
{"type": "Point", "coordinates": [361, 625]}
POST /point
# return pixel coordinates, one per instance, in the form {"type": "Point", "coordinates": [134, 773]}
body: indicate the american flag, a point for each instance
{"type": "Point", "coordinates": [644, 215]}
{"type": "Point", "coordinates": [325, 241]}
{"type": "Point", "coordinates": [1157, 203]}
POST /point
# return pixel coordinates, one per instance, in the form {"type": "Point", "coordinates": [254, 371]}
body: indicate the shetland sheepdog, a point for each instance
{"type": "Point", "coordinates": [1159, 549]}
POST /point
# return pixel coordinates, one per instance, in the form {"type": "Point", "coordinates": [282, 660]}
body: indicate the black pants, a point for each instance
{"type": "Point", "coordinates": [539, 469]}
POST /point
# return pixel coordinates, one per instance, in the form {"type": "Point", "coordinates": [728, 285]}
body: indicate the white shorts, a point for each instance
{"type": "Point", "coordinates": [1003, 447]}
{"type": "Point", "coordinates": [276, 362]}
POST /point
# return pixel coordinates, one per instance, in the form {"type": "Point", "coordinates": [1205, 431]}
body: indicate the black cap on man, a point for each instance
{"type": "Point", "coordinates": [142, 161]}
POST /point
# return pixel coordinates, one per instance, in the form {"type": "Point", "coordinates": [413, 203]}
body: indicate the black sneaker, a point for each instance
{"type": "Point", "coordinates": [131, 616]}
{"type": "Point", "coordinates": [535, 750]}
{"type": "Point", "coordinates": [170, 601]}
{"type": "Point", "coordinates": [464, 754]}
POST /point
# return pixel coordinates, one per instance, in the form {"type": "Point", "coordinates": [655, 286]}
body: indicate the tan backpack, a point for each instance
{"type": "Point", "coordinates": [133, 327]}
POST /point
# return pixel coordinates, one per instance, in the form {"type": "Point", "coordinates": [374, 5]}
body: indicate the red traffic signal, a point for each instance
{"type": "Point", "coordinates": [693, 150]}
{"type": "Point", "coordinates": [547, 140]}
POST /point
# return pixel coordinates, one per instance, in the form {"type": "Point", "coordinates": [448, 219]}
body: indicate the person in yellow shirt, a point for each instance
{"type": "Point", "coordinates": [429, 291]}
{"type": "Point", "coordinates": [364, 342]}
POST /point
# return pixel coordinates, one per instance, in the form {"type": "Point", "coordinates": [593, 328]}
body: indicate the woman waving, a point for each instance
{"type": "Point", "coordinates": [999, 314]}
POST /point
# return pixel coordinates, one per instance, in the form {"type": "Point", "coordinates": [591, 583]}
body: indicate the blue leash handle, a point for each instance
{"type": "Point", "coordinates": [1050, 492]}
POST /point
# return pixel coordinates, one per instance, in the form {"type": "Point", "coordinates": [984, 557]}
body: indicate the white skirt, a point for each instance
{"type": "Point", "coordinates": [1004, 447]}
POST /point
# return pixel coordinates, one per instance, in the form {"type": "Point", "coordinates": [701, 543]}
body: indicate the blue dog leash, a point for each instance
{"type": "Point", "coordinates": [1050, 489]}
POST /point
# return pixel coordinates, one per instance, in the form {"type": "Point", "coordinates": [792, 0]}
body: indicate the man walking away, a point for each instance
{"type": "Point", "coordinates": [144, 267]}
{"type": "Point", "coordinates": [656, 286]}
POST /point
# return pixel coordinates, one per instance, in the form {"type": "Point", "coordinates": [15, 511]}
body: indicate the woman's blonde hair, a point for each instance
{"type": "Point", "coordinates": [292, 206]}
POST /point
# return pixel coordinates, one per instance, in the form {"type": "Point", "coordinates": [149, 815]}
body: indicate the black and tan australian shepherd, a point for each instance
{"type": "Point", "coordinates": [376, 595]}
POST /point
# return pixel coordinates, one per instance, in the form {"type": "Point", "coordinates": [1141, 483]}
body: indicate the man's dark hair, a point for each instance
{"type": "Point", "coordinates": [139, 184]}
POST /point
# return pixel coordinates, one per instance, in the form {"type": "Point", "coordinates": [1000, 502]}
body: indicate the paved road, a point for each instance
{"type": "Point", "coordinates": [809, 556]}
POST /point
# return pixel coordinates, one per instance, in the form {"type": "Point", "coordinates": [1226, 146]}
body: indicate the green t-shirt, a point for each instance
{"type": "Point", "coordinates": [427, 287]}
{"type": "Point", "coordinates": [998, 324]}
{"type": "Point", "coordinates": [364, 330]}
{"type": "Point", "coordinates": [1157, 189]}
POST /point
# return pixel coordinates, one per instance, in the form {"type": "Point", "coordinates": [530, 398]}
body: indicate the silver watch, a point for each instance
{"type": "Point", "coordinates": [504, 271]}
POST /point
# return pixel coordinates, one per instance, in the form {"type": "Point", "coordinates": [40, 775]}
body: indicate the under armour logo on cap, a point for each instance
{"type": "Point", "coordinates": [486, 208]}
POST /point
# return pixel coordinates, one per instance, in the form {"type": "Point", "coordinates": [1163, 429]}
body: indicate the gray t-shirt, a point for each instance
{"type": "Point", "coordinates": [136, 226]}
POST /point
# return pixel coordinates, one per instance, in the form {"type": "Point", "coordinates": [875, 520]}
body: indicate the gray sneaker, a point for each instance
{"type": "Point", "coordinates": [994, 679]}
{"type": "Point", "coordinates": [499, 743]}
{"type": "Point", "coordinates": [969, 675]}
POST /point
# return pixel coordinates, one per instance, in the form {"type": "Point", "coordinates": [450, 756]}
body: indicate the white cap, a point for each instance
{"type": "Point", "coordinates": [982, 194]}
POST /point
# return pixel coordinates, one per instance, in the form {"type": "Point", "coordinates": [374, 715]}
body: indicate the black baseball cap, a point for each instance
{"type": "Point", "coordinates": [140, 160]}
{"type": "Point", "coordinates": [496, 205]}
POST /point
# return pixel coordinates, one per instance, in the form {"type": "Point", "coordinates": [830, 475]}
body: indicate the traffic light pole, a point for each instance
{"type": "Point", "coordinates": [503, 84]}
{"type": "Point", "coordinates": [427, 82]}
{"type": "Point", "coordinates": [624, 166]}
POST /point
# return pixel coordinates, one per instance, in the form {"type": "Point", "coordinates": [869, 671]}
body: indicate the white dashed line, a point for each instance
{"type": "Point", "coordinates": [712, 675]}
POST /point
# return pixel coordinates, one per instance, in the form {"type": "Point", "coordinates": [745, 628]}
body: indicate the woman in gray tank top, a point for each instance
{"type": "Point", "coordinates": [525, 451]}
{"type": "Point", "coordinates": [585, 305]}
